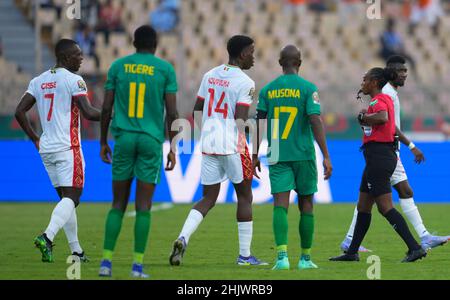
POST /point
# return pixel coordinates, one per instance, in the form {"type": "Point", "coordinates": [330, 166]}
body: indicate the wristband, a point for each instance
{"type": "Point", "coordinates": [411, 146]}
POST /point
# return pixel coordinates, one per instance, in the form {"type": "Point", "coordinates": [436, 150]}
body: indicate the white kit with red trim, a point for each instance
{"type": "Point", "coordinates": [223, 89]}
{"type": "Point", "coordinates": [54, 91]}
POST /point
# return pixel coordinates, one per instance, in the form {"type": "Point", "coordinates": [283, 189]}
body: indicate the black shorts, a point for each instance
{"type": "Point", "coordinates": [381, 161]}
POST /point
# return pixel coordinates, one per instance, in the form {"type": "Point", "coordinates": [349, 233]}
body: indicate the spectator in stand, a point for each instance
{"type": "Point", "coordinates": [392, 44]}
{"type": "Point", "coordinates": [109, 20]}
{"type": "Point", "coordinates": [431, 10]}
{"type": "Point", "coordinates": [165, 17]}
{"type": "Point", "coordinates": [85, 38]}
{"type": "Point", "coordinates": [89, 12]}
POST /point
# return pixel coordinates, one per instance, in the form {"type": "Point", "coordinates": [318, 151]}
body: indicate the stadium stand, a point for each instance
{"type": "Point", "coordinates": [337, 40]}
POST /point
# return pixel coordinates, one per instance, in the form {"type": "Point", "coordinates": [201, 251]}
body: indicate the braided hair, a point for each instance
{"type": "Point", "coordinates": [381, 75]}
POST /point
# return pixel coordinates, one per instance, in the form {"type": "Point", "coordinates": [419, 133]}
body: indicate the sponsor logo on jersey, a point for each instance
{"type": "Point", "coordinates": [82, 85]}
{"type": "Point", "coordinates": [251, 93]}
{"type": "Point", "coordinates": [367, 130]}
{"type": "Point", "coordinates": [315, 97]}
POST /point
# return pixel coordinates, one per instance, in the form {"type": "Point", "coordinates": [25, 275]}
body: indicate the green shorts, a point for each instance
{"type": "Point", "coordinates": [300, 176]}
{"type": "Point", "coordinates": [136, 155]}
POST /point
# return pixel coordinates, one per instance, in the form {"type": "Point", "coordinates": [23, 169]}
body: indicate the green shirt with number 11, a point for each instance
{"type": "Point", "coordinates": [289, 100]}
{"type": "Point", "coordinates": [140, 82]}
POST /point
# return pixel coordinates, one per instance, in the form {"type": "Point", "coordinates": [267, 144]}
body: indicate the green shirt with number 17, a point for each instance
{"type": "Point", "coordinates": [289, 100]}
{"type": "Point", "coordinates": [140, 82]}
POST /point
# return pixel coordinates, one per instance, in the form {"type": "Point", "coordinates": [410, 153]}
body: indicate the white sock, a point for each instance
{"type": "Point", "coordinates": [61, 213]}
{"type": "Point", "coordinates": [412, 213]}
{"type": "Point", "coordinates": [190, 225]}
{"type": "Point", "coordinates": [351, 230]}
{"type": "Point", "coordinates": [71, 230]}
{"type": "Point", "coordinates": [245, 230]}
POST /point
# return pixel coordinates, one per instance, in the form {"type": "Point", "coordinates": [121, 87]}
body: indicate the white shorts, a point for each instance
{"type": "Point", "coordinates": [65, 169]}
{"type": "Point", "coordinates": [217, 168]}
{"type": "Point", "coordinates": [399, 174]}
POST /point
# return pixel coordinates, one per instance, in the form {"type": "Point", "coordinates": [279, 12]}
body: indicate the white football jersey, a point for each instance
{"type": "Point", "coordinates": [54, 91]}
{"type": "Point", "coordinates": [388, 89]}
{"type": "Point", "coordinates": [222, 89]}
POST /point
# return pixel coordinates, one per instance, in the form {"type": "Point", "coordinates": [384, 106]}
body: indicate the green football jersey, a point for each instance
{"type": "Point", "coordinates": [140, 82]}
{"type": "Point", "coordinates": [289, 100]}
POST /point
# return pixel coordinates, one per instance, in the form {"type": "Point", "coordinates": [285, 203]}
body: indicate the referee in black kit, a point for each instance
{"type": "Point", "coordinates": [379, 145]}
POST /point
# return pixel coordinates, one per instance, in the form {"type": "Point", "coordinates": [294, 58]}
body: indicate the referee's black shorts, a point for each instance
{"type": "Point", "coordinates": [381, 161]}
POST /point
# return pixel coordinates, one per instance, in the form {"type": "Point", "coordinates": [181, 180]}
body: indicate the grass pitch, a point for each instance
{"type": "Point", "coordinates": [213, 248]}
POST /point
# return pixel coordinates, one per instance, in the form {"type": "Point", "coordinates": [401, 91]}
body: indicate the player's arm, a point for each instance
{"type": "Point", "coordinates": [105, 118]}
{"type": "Point", "coordinates": [418, 155]}
{"type": "Point", "coordinates": [261, 116]}
{"type": "Point", "coordinates": [171, 116]}
{"type": "Point", "coordinates": [89, 112]}
{"type": "Point", "coordinates": [319, 135]}
{"type": "Point", "coordinates": [378, 118]}
{"type": "Point", "coordinates": [198, 110]}
{"type": "Point", "coordinates": [25, 104]}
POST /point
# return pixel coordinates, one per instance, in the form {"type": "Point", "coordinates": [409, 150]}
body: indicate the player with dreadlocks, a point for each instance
{"type": "Point", "coordinates": [379, 145]}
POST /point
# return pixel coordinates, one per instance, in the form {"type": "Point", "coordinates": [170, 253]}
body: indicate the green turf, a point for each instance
{"type": "Point", "coordinates": [213, 248]}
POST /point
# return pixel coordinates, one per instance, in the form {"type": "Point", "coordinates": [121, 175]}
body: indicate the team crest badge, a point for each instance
{"type": "Point", "coordinates": [251, 93]}
{"type": "Point", "coordinates": [315, 97]}
{"type": "Point", "coordinates": [82, 85]}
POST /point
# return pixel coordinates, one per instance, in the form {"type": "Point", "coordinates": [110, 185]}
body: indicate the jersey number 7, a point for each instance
{"type": "Point", "coordinates": [292, 111]}
{"type": "Point", "coordinates": [50, 97]}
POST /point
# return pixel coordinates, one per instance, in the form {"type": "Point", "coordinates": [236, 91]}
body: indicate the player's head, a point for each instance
{"type": "Point", "coordinates": [68, 54]}
{"type": "Point", "coordinates": [397, 63]}
{"type": "Point", "coordinates": [290, 57]}
{"type": "Point", "coordinates": [145, 39]}
{"type": "Point", "coordinates": [240, 50]}
{"type": "Point", "coordinates": [375, 79]}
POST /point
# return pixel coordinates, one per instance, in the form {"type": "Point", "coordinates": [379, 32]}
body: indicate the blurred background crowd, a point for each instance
{"type": "Point", "coordinates": [338, 39]}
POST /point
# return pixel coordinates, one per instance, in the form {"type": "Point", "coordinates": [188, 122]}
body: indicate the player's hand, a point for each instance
{"type": "Point", "coordinates": [171, 161]}
{"type": "Point", "coordinates": [418, 155]}
{"type": "Point", "coordinates": [327, 168]}
{"type": "Point", "coordinates": [105, 153]}
{"type": "Point", "coordinates": [256, 165]}
{"type": "Point", "coordinates": [36, 144]}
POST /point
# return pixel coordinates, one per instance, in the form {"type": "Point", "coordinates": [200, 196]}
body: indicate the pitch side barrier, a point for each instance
{"type": "Point", "coordinates": [23, 177]}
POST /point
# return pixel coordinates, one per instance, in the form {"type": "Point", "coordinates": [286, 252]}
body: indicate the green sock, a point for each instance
{"type": "Point", "coordinates": [280, 225]}
{"type": "Point", "coordinates": [112, 230]}
{"type": "Point", "coordinates": [141, 230]}
{"type": "Point", "coordinates": [281, 251]}
{"type": "Point", "coordinates": [306, 230]}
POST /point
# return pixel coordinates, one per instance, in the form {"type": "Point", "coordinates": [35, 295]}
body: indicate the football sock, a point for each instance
{"type": "Point", "coordinates": [141, 230]}
{"type": "Point", "coordinates": [71, 230]}
{"type": "Point", "coordinates": [361, 227]}
{"type": "Point", "coordinates": [306, 231]}
{"type": "Point", "coordinates": [61, 213]}
{"type": "Point", "coordinates": [112, 230]}
{"type": "Point", "coordinates": [190, 225]}
{"type": "Point", "coordinates": [280, 225]}
{"type": "Point", "coordinates": [399, 224]}
{"type": "Point", "coordinates": [281, 251]}
{"type": "Point", "coordinates": [352, 225]}
{"type": "Point", "coordinates": [412, 214]}
{"type": "Point", "coordinates": [245, 232]}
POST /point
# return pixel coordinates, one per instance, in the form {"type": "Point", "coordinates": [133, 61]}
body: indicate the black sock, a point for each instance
{"type": "Point", "coordinates": [361, 227]}
{"type": "Point", "coordinates": [399, 224]}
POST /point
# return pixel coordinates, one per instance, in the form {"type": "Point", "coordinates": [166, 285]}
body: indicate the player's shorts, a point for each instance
{"type": "Point", "coordinates": [381, 161]}
{"type": "Point", "coordinates": [65, 169]}
{"type": "Point", "coordinates": [217, 168]}
{"type": "Point", "coordinates": [399, 173]}
{"type": "Point", "coordinates": [300, 176]}
{"type": "Point", "coordinates": [136, 155]}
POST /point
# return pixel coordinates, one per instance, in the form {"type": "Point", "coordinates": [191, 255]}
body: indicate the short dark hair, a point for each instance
{"type": "Point", "coordinates": [63, 45]}
{"type": "Point", "coordinates": [395, 59]}
{"type": "Point", "coordinates": [145, 37]}
{"type": "Point", "coordinates": [382, 75]}
{"type": "Point", "coordinates": [238, 43]}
